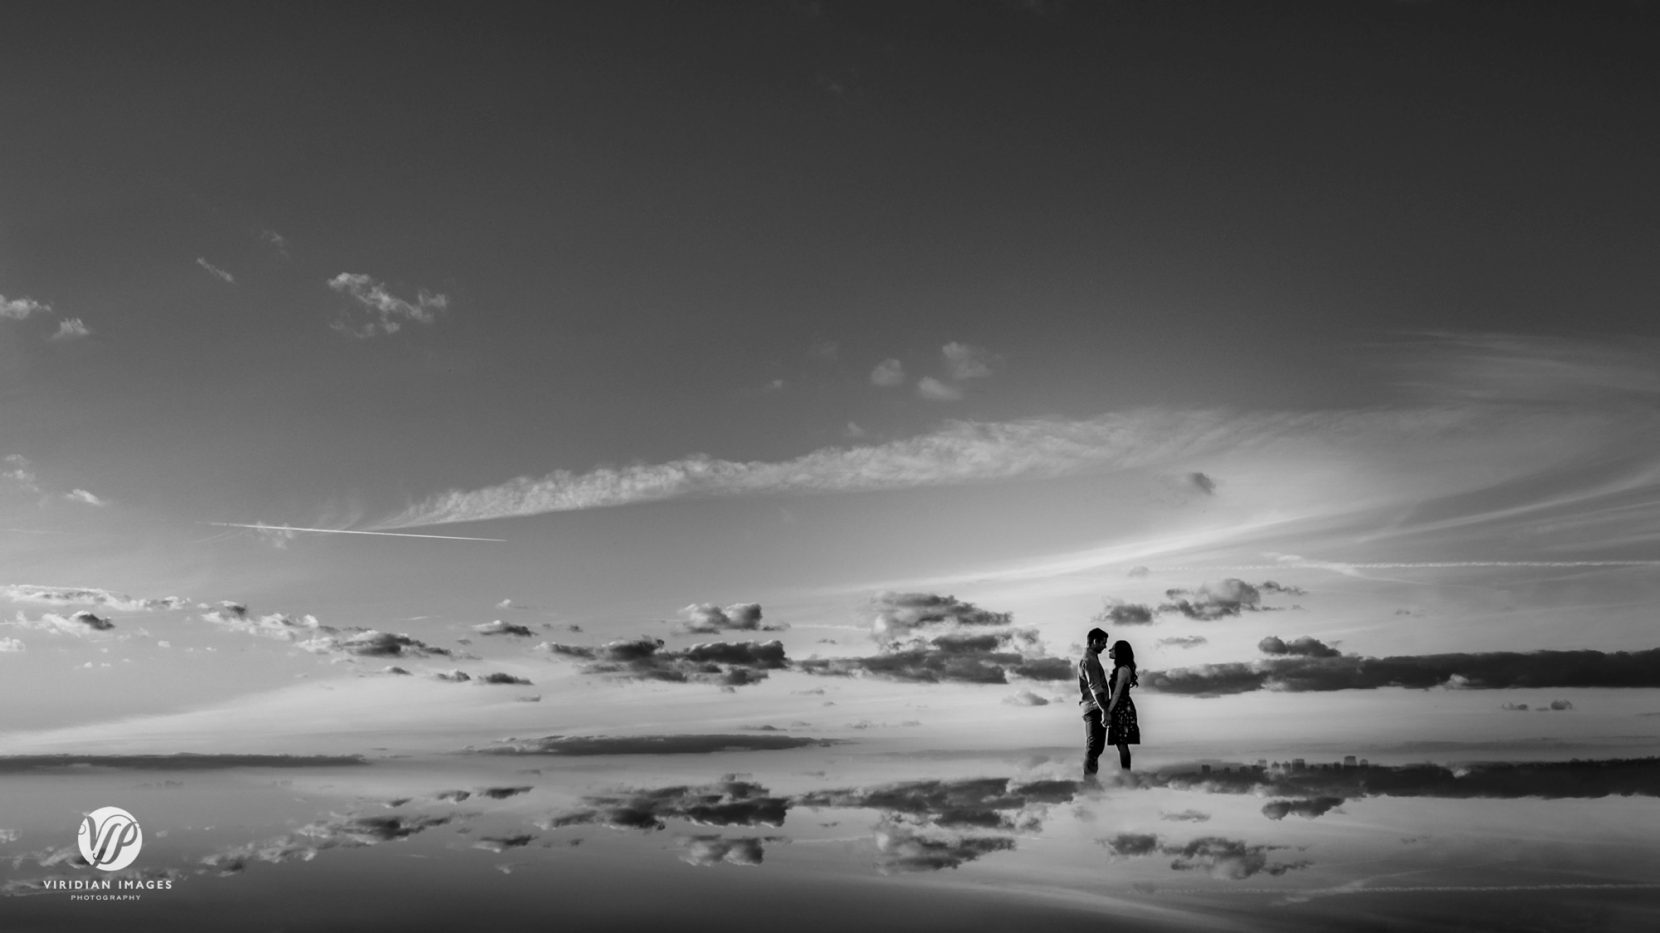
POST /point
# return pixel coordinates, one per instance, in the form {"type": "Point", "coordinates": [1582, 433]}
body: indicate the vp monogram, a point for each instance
{"type": "Point", "coordinates": [110, 838]}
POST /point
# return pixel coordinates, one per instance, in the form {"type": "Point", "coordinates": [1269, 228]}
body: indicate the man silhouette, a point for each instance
{"type": "Point", "coordinates": [1092, 687]}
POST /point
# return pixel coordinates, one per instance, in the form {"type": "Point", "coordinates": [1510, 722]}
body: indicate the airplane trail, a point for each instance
{"type": "Point", "coordinates": [342, 531]}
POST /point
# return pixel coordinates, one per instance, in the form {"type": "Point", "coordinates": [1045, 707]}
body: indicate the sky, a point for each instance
{"type": "Point", "coordinates": [1320, 327]}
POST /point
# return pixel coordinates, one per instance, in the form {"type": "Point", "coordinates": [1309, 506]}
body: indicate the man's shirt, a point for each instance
{"type": "Point", "coordinates": [1092, 680]}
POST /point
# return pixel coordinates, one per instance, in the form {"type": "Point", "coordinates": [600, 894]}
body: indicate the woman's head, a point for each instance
{"type": "Point", "coordinates": [1122, 654]}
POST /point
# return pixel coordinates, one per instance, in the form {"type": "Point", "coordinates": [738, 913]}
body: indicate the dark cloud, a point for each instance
{"type": "Point", "coordinates": [499, 844]}
{"type": "Point", "coordinates": [1186, 816]}
{"type": "Point", "coordinates": [455, 676]}
{"type": "Point", "coordinates": [1308, 808]}
{"type": "Point", "coordinates": [721, 663]}
{"type": "Point", "coordinates": [651, 744]}
{"type": "Point", "coordinates": [304, 844]}
{"type": "Point", "coordinates": [1213, 601]}
{"type": "Point", "coordinates": [1132, 844]}
{"type": "Point", "coordinates": [179, 762]}
{"type": "Point", "coordinates": [1183, 641]}
{"type": "Point", "coordinates": [978, 803]}
{"type": "Point", "coordinates": [92, 620]}
{"type": "Point", "coordinates": [1117, 613]}
{"type": "Point", "coordinates": [505, 679]}
{"type": "Point", "coordinates": [730, 802]}
{"type": "Point", "coordinates": [1305, 647]}
{"type": "Point", "coordinates": [502, 793]}
{"type": "Point", "coordinates": [369, 643]}
{"type": "Point", "coordinates": [1491, 670]}
{"type": "Point", "coordinates": [498, 627]}
{"type": "Point", "coordinates": [904, 848]}
{"type": "Point", "coordinates": [1229, 859]}
{"type": "Point", "coordinates": [959, 657]}
{"type": "Point", "coordinates": [1202, 483]}
{"type": "Point", "coordinates": [895, 616]}
{"type": "Point", "coordinates": [1269, 586]}
{"type": "Point", "coordinates": [1501, 780]}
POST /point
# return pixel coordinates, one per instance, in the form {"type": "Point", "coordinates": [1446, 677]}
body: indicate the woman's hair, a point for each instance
{"type": "Point", "coordinates": [1124, 656]}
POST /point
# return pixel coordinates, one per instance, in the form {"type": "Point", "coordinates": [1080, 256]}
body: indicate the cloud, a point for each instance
{"type": "Point", "coordinates": [1580, 779]}
{"type": "Point", "coordinates": [58, 595]}
{"type": "Point", "coordinates": [1228, 859]}
{"type": "Point", "coordinates": [888, 374]}
{"type": "Point", "coordinates": [1025, 698]}
{"type": "Point", "coordinates": [963, 361]}
{"type": "Point", "coordinates": [1491, 670]}
{"type": "Point", "coordinates": [216, 272]}
{"type": "Point", "coordinates": [1183, 641]}
{"type": "Point", "coordinates": [896, 615]}
{"type": "Point", "coordinates": [9, 645]}
{"type": "Point", "coordinates": [86, 498]}
{"type": "Point", "coordinates": [1307, 808]}
{"type": "Point", "coordinates": [80, 623]}
{"type": "Point", "coordinates": [71, 329]}
{"type": "Point", "coordinates": [721, 663]}
{"type": "Point", "coordinates": [505, 680]}
{"type": "Point", "coordinates": [936, 391]}
{"type": "Point", "coordinates": [1132, 845]}
{"type": "Point", "coordinates": [1306, 647]}
{"type": "Point", "coordinates": [1121, 613]}
{"type": "Point", "coordinates": [958, 453]}
{"type": "Point", "coordinates": [904, 848]}
{"type": "Point", "coordinates": [713, 850]}
{"type": "Point", "coordinates": [17, 309]}
{"type": "Point", "coordinates": [1186, 816]}
{"type": "Point", "coordinates": [729, 802]}
{"type": "Point", "coordinates": [1514, 368]}
{"type": "Point", "coordinates": [585, 745]}
{"type": "Point", "coordinates": [708, 619]}
{"type": "Point", "coordinates": [378, 311]}
{"type": "Point", "coordinates": [498, 627]}
{"type": "Point", "coordinates": [20, 471]}
{"type": "Point", "coordinates": [1202, 483]}
{"type": "Point", "coordinates": [1213, 601]}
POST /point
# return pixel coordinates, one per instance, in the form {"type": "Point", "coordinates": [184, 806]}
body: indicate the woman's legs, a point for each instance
{"type": "Point", "coordinates": [1123, 757]}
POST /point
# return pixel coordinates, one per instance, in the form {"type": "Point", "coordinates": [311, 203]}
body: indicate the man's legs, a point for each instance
{"type": "Point", "coordinates": [1095, 741]}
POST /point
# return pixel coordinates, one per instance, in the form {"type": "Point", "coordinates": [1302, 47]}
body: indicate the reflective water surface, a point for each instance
{"type": "Point", "coordinates": [737, 833]}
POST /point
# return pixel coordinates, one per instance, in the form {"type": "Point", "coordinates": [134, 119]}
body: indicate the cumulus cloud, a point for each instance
{"type": "Point", "coordinates": [70, 596]}
{"type": "Point", "coordinates": [1305, 646]}
{"type": "Point", "coordinates": [215, 271]}
{"type": "Point", "coordinates": [897, 615]}
{"type": "Point", "coordinates": [375, 310]}
{"type": "Point", "coordinates": [1025, 698]}
{"type": "Point", "coordinates": [1132, 845]}
{"type": "Point", "coordinates": [17, 309]}
{"type": "Point", "coordinates": [1121, 613]}
{"type": "Point", "coordinates": [722, 663]}
{"type": "Point", "coordinates": [936, 391]}
{"type": "Point", "coordinates": [1308, 808]}
{"type": "Point", "coordinates": [85, 498]}
{"type": "Point", "coordinates": [1491, 670]}
{"type": "Point", "coordinates": [80, 623]}
{"type": "Point", "coordinates": [498, 627]}
{"type": "Point", "coordinates": [9, 645]}
{"type": "Point", "coordinates": [963, 361]}
{"type": "Point", "coordinates": [713, 850]}
{"type": "Point", "coordinates": [708, 618]}
{"type": "Point", "coordinates": [71, 329]}
{"type": "Point", "coordinates": [365, 643]}
{"type": "Point", "coordinates": [1183, 641]}
{"type": "Point", "coordinates": [1213, 601]}
{"type": "Point", "coordinates": [888, 374]}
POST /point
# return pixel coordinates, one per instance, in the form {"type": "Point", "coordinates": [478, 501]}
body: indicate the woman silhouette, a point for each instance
{"type": "Point", "coordinates": [1122, 728]}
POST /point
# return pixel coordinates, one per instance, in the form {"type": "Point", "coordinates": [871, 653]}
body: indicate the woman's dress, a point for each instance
{"type": "Point", "coordinates": [1122, 726]}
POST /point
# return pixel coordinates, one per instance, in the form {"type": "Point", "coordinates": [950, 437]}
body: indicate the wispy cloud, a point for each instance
{"type": "Point", "coordinates": [17, 309]}
{"type": "Point", "coordinates": [71, 329]}
{"type": "Point", "coordinates": [216, 272]}
{"type": "Point", "coordinates": [888, 374]}
{"type": "Point", "coordinates": [960, 452]}
{"type": "Point", "coordinates": [21, 472]}
{"type": "Point", "coordinates": [936, 391]}
{"type": "Point", "coordinates": [375, 310]}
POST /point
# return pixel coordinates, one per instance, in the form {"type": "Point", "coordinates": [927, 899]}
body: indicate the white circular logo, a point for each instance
{"type": "Point", "coordinates": [110, 838]}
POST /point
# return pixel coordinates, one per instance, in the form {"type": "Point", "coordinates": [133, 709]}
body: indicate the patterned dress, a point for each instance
{"type": "Point", "coordinates": [1122, 726]}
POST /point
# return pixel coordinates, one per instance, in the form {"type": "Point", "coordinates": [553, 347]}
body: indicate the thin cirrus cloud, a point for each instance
{"type": "Point", "coordinates": [375, 311]}
{"type": "Point", "coordinates": [215, 271]}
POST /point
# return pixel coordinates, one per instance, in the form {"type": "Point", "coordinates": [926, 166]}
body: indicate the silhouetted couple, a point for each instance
{"type": "Point", "coordinates": [1109, 713]}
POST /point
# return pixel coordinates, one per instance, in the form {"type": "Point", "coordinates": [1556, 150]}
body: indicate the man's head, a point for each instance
{"type": "Point", "coordinates": [1097, 640]}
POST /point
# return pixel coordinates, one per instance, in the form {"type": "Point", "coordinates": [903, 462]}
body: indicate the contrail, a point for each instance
{"type": "Point", "coordinates": [342, 531]}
